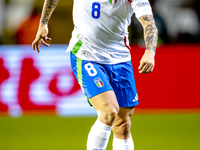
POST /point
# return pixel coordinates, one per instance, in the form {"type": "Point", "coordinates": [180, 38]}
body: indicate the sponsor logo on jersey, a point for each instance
{"type": "Point", "coordinates": [113, 1]}
{"type": "Point", "coordinates": [98, 82]}
{"type": "Point", "coordinates": [143, 4]}
{"type": "Point", "coordinates": [86, 53]}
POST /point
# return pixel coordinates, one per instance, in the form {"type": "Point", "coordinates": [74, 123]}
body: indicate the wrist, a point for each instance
{"type": "Point", "coordinates": [44, 21]}
{"type": "Point", "coordinates": [150, 52]}
{"type": "Point", "coordinates": [41, 25]}
{"type": "Point", "coordinates": [152, 48]}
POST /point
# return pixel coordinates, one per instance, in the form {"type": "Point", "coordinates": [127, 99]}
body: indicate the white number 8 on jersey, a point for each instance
{"type": "Point", "coordinates": [90, 69]}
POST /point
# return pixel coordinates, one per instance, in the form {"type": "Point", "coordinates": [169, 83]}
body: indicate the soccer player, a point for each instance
{"type": "Point", "coordinates": [101, 62]}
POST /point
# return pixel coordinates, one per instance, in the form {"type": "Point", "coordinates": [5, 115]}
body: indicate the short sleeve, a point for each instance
{"type": "Point", "coordinates": [141, 8]}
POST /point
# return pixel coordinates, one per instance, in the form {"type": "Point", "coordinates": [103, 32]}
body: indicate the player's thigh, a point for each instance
{"type": "Point", "coordinates": [105, 103]}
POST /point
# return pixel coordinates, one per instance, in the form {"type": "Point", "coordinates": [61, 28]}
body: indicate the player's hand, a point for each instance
{"type": "Point", "coordinates": [147, 62]}
{"type": "Point", "coordinates": [41, 37]}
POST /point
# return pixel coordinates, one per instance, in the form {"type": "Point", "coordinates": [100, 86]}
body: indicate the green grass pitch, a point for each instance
{"type": "Point", "coordinates": [150, 132]}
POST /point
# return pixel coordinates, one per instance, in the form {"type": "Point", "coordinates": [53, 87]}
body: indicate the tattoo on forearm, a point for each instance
{"type": "Point", "coordinates": [48, 8]}
{"type": "Point", "coordinates": [146, 18]}
{"type": "Point", "coordinates": [150, 33]}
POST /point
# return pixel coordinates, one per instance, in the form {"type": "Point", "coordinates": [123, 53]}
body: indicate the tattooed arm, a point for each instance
{"type": "Point", "coordinates": [150, 32]}
{"type": "Point", "coordinates": [150, 37]}
{"type": "Point", "coordinates": [41, 36]}
{"type": "Point", "coordinates": [48, 8]}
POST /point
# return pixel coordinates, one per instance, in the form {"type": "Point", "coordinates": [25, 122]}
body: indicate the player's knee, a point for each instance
{"type": "Point", "coordinates": [122, 130]}
{"type": "Point", "coordinates": [126, 129]}
{"type": "Point", "coordinates": [109, 116]}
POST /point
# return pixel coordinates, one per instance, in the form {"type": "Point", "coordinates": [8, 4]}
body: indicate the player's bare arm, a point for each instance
{"type": "Point", "coordinates": [147, 62]}
{"type": "Point", "coordinates": [41, 36]}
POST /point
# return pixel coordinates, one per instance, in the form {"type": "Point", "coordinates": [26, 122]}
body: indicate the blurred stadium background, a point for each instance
{"type": "Point", "coordinates": [43, 108]}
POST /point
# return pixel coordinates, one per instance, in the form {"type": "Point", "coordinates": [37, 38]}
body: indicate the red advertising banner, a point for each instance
{"type": "Point", "coordinates": [175, 81]}
{"type": "Point", "coordinates": [32, 83]}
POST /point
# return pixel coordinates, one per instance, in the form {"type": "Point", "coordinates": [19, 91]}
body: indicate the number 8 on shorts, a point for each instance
{"type": "Point", "coordinates": [90, 69]}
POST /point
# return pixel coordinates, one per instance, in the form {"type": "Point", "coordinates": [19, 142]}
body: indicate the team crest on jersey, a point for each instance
{"type": "Point", "coordinates": [113, 1]}
{"type": "Point", "coordinates": [98, 82]}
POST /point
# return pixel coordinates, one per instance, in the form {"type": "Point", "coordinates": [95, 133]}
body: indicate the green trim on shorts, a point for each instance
{"type": "Point", "coordinates": [77, 47]}
{"type": "Point", "coordinates": [79, 71]}
{"type": "Point", "coordinates": [79, 74]}
{"type": "Point", "coordinates": [89, 102]}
